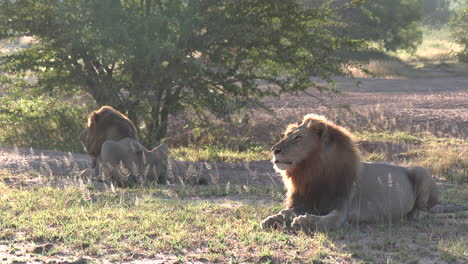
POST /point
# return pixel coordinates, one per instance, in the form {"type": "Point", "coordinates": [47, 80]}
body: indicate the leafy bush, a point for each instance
{"type": "Point", "coordinates": [41, 122]}
{"type": "Point", "coordinates": [156, 59]}
{"type": "Point", "coordinates": [459, 27]}
{"type": "Point", "coordinates": [436, 12]}
{"type": "Point", "coordinates": [392, 23]}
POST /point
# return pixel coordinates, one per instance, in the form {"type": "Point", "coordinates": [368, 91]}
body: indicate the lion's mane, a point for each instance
{"type": "Point", "coordinates": [326, 177]}
{"type": "Point", "coordinates": [105, 124]}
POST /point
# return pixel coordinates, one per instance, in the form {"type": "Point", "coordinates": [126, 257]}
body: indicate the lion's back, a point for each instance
{"type": "Point", "coordinates": [383, 192]}
{"type": "Point", "coordinates": [130, 158]}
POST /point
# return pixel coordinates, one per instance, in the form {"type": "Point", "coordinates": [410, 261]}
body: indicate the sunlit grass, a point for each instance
{"type": "Point", "coordinates": [437, 46]}
{"type": "Point", "coordinates": [143, 221]}
{"type": "Point", "coordinates": [219, 154]}
{"type": "Point", "coordinates": [218, 229]}
{"type": "Point", "coordinates": [375, 157]}
{"type": "Point", "coordinates": [386, 69]}
{"type": "Point", "coordinates": [454, 249]}
{"type": "Point", "coordinates": [445, 157]}
{"type": "Point", "coordinates": [388, 136]}
{"type": "Point", "coordinates": [434, 57]}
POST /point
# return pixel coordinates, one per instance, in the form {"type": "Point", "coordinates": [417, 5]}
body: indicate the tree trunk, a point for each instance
{"type": "Point", "coordinates": [153, 127]}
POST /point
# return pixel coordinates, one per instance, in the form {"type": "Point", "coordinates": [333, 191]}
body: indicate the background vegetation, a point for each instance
{"type": "Point", "coordinates": [192, 72]}
{"type": "Point", "coordinates": [193, 63]}
{"type": "Point", "coordinates": [459, 27]}
{"type": "Point", "coordinates": [157, 59]}
{"type": "Point", "coordinates": [154, 59]}
{"type": "Point", "coordinates": [195, 59]}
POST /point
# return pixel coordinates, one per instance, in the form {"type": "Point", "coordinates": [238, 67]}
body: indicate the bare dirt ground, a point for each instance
{"type": "Point", "coordinates": [439, 106]}
{"type": "Point", "coordinates": [435, 105]}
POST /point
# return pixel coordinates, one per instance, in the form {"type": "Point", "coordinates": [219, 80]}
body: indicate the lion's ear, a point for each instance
{"type": "Point", "coordinates": [290, 128]}
{"type": "Point", "coordinates": [96, 116]}
{"type": "Point", "coordinates": [318, 127]}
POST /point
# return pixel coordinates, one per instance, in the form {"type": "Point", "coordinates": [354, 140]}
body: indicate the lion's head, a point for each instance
{"type": "Point", "coordinates": [319, 163]}
{"type": "Point", "coordinates": [105, 124]}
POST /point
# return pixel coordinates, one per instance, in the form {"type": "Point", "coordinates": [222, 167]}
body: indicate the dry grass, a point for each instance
{"type": "Point", "coordinates": [193, 225]}
{"type": "Point", "coordinates": [216, 223]}
{"type": "Point", "coordinates": [47, 221]}
{"type": "Point", "coordinates": [386, 69]}
{"type": "Point", "coordinates": [435, 57]}
{"type": "Point", "coordinates": [446, 158]}
{"type": "Point", "coordinates": [219, 154]}
{"type": "Point", "coordinates": [436, 47]}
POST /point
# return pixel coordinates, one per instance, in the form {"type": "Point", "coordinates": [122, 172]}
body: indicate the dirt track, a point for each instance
{"type": "Point", "coordinates": [436, 105]}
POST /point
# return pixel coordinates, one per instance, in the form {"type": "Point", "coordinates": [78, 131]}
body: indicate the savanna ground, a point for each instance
{"type": "Point", "coordinates": [414, 113]}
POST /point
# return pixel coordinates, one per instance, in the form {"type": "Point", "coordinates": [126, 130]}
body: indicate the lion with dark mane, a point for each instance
{"type": "Point", "coordinates": [105, 124]}
{"type": "Point", "coordinates": [328, 184]}
{"type": "Point", "coordinates": [111, 139]}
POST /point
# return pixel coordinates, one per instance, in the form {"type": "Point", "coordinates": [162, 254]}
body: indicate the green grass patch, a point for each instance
{"type": "Point", "coordinates": [454, 249]}
{"type": "Point", "coordinates": [454, 194]}
{"type": "Point", "coordinates": [375, 157]}
{"type": "Point", "coordinates": [388, 136]}
{"type": "Point", "coordinates": [219, 154]}
{"type": "Point", "coordinates": [214, 224]}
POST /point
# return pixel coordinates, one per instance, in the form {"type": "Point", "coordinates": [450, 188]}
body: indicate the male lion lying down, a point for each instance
{"type": "Point", "coordinates": [328, 184]}
{"type": "Point", "coordinates": [110, 138]}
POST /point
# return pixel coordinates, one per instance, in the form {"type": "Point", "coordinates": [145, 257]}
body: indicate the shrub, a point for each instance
{"type": "Point", "coordinates": [41, 122]}
{"type": "Point", "coordinates": [459, 27]}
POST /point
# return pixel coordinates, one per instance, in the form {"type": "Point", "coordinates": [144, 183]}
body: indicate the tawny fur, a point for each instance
{"type": "Point", "coordinates": [325, 178]}
{"type": "Point", "coordinates": [328, 184]}
{"type": "Point", "coordinates": [105, 124]}
{"type": "Point", "coordinates": [110, 138]}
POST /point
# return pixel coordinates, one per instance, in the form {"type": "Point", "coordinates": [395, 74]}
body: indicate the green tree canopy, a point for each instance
{"type": "Point", "coordinates": [394, 23]}
{"type": "Point", "coordinates": [436, 13]}
{"type": "Point", "coordinates": [459, 28]}
{"type": "Point", "coordinates": [155, 58]}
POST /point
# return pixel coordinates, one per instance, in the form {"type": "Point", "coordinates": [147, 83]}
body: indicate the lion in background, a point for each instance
{"type": "Point", "coordinates": [328, 184]}
{"type": "Point", "coordinates": [111, 139]}
{"type": "Point", "coordinates": [102, 125]}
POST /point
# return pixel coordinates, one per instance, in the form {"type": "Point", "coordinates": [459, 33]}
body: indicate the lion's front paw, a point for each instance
{"type": "Point", "coordinates": [273, 221]}
{"type": "Point", "coordinates": [304, 222]}
{"type": "Point", "coordinates": [298, 222]}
